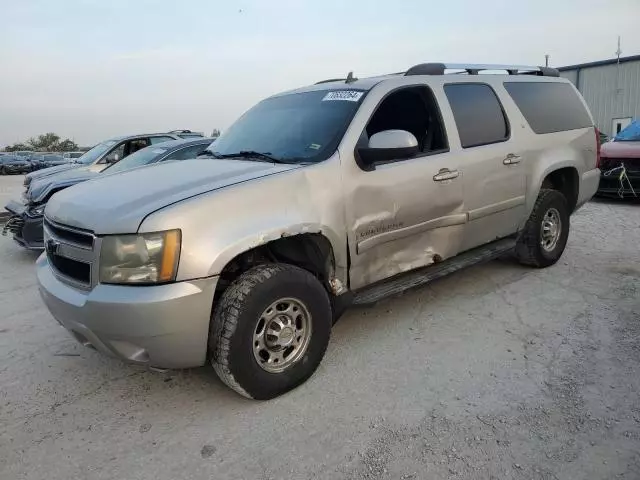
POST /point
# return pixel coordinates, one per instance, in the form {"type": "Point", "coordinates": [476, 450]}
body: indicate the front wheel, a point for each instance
{"type": "Point", "coordinates": [270, 330]}
{"type": "Point", "coordinates": [545, 234]}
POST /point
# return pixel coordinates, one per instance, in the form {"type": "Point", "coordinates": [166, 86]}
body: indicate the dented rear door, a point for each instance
{"type": "Point", "coordinates": [403, 215]}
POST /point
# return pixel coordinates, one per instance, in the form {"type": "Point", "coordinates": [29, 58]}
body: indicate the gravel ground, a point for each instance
{"type": "Point", "coordinates": [498, 372]}
{"type": "Point", "coordinates": [10, 187]}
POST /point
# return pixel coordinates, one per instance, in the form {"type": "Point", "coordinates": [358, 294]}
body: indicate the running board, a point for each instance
{"type": "Point", "coordinates": [415, 278]}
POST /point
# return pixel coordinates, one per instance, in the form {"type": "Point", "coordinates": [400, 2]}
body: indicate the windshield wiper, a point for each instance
{"type": "Point", "coordinates": [253, 154]}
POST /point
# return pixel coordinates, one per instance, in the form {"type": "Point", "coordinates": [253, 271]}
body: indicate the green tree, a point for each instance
{"type": "Point", "coordinates": [66, 146]}
{"type": "Point", "coordinates": [47, 142]}
{"type": "Point", "coordinates": [44, 143]}
{"type": "Point", "coordinates": [17, 146]}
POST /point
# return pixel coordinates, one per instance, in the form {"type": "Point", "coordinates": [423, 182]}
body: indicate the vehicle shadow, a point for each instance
{"type": "Point", "coordinates": [627, 200]}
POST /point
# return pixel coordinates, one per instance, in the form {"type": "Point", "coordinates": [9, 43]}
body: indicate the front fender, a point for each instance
{"type": "Point", "coordinates": [219, 225]}
{"type": "Point", "coordinates": [246, 243]}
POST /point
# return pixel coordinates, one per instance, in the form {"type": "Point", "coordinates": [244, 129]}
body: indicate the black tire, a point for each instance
{"type": "Point", "coordinates": [2, 171]}
{"type": "Point", "coordinates": [529, 250]}
{"type": "Point", "coordinates": [236, 316]}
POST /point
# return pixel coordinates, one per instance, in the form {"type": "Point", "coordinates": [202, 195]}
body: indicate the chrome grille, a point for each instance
{"type": "Point", "coordinates": [72, 253]}
{"type": "Point", "coordinates": [632, 165]}
{"type": "Point", "coordinates": [74, 236]}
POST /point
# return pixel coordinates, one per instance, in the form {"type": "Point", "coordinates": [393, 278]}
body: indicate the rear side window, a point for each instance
{"type": "Point", "coordinates": [549, 107]}
{"type": "Point", "coordinates": [478, 114]}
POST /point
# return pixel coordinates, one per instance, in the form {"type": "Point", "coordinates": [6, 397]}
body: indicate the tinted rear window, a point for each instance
{"type": "Point", "coordinates": [478, 114]}
{"type": "Point", "coordinates": [549, 107]}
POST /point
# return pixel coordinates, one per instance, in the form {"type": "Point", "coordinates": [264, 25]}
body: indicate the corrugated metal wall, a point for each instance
{"type": "Point", "coordinates": [611, 91]}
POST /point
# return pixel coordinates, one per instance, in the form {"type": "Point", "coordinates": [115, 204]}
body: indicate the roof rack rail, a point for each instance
{"type": "Point", "coordinates": [350, 79]}
{"type": "Point", "coordinates": [474, 69]}
{"type": "Point", "coordinates": [470, 69]}
{"type": "Point", "coordinates": [329, 80]}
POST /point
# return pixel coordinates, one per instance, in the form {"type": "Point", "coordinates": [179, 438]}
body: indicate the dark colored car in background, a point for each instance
{"type": "Point", "coordinates": [26, 221]}
{"type": "Point", "coordinates": [13, 164]}
{"type": "Point", "coordinates": [55, 159]}
{"type": "Point", "coordinates": [46, 160]}
{"type": "Point", "coordinates": [70, 156]}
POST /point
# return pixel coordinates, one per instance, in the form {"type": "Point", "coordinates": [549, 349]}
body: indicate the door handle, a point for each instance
{"type": "Point", "coordinates": [445, 174]}
{"type": "Point", "coordinates": [511, 159]}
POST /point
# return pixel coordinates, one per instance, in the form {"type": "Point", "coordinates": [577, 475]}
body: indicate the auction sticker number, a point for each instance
{"type": "Point", "coordinates": [344, 95]}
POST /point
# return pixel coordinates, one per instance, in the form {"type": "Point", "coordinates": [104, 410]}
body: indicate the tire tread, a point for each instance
{"type": "Point", "coordinates": [226, 318]}
{"type": "Point", "coordinates": [527, 248]}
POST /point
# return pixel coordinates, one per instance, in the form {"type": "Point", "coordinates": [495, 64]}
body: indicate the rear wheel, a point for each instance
{"type": "Point", "coordinates": [545, 234]}
{"type": "Point", "coordinates": [270, 330]}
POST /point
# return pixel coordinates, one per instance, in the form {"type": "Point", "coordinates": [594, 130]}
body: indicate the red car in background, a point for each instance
{"type": "Point", "coordinates": [620, 164]}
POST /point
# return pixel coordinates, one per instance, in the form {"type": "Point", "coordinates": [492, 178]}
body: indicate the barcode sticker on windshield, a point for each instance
{"type": "Point", "coordinates": [345, 95]}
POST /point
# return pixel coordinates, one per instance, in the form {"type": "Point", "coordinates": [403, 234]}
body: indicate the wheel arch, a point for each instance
{"type": "Point", "coordinates": [308, 248]}
{"type": "Point", "coordinates": [561, 175]}
{"type": "Point", "coordinates": [566, 180]}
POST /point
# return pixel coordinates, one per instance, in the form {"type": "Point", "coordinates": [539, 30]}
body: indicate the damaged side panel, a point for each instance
{"type": "Point", "coordinates": [399, 218]}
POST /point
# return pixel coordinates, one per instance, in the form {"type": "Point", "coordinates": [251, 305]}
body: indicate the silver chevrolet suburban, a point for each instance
{"type": "Point", "coordinates": [343, 192]}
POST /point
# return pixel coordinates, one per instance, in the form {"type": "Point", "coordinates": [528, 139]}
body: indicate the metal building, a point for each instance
{"type": "Point", "coordinates": [611, 88]}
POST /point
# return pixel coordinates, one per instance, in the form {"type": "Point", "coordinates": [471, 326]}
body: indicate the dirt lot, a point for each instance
{"type": "Point", "coordinates": [10, 187]}
{"type": "Point", "coordinates": [496, 372]}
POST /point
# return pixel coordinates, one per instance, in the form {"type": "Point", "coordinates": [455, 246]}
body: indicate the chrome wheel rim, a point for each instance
{"type": "Point", "coordinates": [551, 229]}
{"type": "Point", "coordinates": [282, 335]}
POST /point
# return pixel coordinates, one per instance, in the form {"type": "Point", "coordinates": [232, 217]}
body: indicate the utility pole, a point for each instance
{"type": "Point", "coordinates": [546, 60]}
{"type": "Point", "coordinates": [618, 53]}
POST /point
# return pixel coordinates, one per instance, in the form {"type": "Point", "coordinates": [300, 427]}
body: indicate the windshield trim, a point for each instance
{"type": "Point", "coordinates": [327, 152]}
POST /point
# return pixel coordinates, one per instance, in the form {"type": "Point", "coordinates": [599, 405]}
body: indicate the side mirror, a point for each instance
{"type": "Point", "coordinates": [389, 145]}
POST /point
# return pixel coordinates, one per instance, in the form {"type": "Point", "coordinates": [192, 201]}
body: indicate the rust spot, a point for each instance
{"type": "Point", "coordinates": [437, 258]}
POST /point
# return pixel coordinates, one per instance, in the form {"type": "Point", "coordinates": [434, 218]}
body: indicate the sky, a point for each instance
{"type": "Point", "coordinates": [92, 69]}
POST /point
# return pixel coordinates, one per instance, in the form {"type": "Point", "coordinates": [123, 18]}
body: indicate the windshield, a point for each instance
{"type": "Point", "coordinates": [96, 152]}
{"type": "Point", "coordinates": [299, 127]}
{"type": "Point", "coordinates": [137, 159]}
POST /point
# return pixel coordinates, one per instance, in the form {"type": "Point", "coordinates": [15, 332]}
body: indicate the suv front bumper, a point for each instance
{"type": "Point", "coordinates": [165, 326]}
{"type": "Point", "coordinates": [27, 231]}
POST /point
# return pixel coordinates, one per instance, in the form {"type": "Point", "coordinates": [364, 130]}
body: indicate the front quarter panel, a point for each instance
{"type": "Point", "coordinates": [219, 225]}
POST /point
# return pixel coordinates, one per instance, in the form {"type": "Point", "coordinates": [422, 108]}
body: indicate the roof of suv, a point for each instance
{"type": "Point", "coordinates": [462, 73]}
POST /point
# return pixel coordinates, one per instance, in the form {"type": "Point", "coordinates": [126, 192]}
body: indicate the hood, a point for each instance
{"type": "Point", "coordinates": [118, 203]}
{"type": "Point", "coordinates": [50, 171]}
{"type": "Point", "coordinates": [39, 188]}
{"type": "Point", "coordinates": [620, 149]}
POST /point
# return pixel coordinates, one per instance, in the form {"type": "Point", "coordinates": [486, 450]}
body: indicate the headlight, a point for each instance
{"type": "Point", "coordinates": [145, 258]}
{"type": "Point", "coordinates": [36, 211]}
